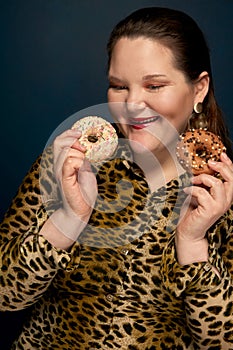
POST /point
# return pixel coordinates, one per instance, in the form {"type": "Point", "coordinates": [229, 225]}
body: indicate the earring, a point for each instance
{"type": "Point", "coordinates": [198, 119]}
{"type": "Point", "coordinates": [198, 107]}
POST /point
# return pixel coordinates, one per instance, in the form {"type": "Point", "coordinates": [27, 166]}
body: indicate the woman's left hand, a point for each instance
{"type": "Point", "coordinates": [208, 200]}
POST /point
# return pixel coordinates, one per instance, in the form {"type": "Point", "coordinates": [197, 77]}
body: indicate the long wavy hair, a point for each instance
{"type": "Point", "coordinates": [180, 33]}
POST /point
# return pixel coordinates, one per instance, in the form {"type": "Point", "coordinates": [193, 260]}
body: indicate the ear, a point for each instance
{"type": "Point", "coordinates": [201, 86]}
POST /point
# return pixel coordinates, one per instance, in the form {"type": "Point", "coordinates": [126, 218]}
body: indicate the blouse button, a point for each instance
{"type": "Point", "coordinates": [125, 251]}
{"type": "Point", "coordinates": [109, 297]}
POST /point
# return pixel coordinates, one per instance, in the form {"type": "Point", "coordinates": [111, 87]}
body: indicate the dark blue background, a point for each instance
{"type": "Point", "coordinates": [53, 64]}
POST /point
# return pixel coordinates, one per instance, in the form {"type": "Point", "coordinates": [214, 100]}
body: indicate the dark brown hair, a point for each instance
{"type": "Point", "coordinates": [181, 34]}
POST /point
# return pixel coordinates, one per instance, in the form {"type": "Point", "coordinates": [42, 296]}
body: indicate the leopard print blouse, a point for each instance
{"type": "Point", "coordinates": [120, 286]}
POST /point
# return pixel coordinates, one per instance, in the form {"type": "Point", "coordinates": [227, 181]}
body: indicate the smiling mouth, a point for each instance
{"type": "Point", "coordinates": [144, 121]}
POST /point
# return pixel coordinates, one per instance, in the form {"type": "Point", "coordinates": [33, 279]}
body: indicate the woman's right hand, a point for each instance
{"type": "Point", "coordinates": [76, 180]}
{"type": "Point", "coordinates": [78, 188]}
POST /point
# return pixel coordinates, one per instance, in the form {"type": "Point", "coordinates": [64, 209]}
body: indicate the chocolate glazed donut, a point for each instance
{"type": "Point", "coordinates": [195, 147]}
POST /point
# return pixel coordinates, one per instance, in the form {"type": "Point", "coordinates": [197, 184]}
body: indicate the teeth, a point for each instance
{"type": "Point", "coordinates": [149, 120]}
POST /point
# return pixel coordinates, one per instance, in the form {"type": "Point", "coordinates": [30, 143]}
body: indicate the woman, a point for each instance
{"type": "Point", "coordinates": [154, 274]}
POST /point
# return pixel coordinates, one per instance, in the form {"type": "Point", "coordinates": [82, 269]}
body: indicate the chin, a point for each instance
{"type": "Point", "coordinates": [137, 147]}
{"type": "Point", "coordinates": [142, 148]}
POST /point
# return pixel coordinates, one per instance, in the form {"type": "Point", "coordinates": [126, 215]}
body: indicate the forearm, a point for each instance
{"type": "Point", "coordinates": [28, 260]}
{"type": "Point", "coordinates": [27, 270]}
{"type": "Point", "coordinates": [62, 229]}
{"type": "Point", "coordinates": [209, 315]}
{"type": "Point", "coordinates": [189, 252]}
{"type": "Point", "coordinates": [207, 291]}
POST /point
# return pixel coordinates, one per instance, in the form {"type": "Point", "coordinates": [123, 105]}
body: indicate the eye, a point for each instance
{"type": "Point", "coordinates": [154, 87]}
{"type": "Point", "coordinates": [117, 87]}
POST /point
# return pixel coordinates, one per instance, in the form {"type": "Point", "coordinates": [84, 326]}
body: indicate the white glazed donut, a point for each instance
{"type": "Point", "coordinates": [98, 136]}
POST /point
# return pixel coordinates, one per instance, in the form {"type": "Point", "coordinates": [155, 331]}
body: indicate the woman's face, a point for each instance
{"type": "Point", "coordinates": [148, 96]}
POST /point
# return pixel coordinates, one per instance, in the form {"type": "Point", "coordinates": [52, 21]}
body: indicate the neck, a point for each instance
{"type": "Point", "coordinates": [159, 169]}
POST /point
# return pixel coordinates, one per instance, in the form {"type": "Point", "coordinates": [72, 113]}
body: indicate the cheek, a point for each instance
{"type": "Point", "coordinates": [176, 107]}
{"type": "Point", "coordinates": [115, 97]}
{"type": "Point", "coordinates": [117, 109]}
{"type": "Point", "coordinates": [110, 96]}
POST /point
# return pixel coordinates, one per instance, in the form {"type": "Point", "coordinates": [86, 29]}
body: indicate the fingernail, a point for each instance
{"type": "Point", "coordinates": [187, 189]}
{"type": "Point", "coordinates": [212, 162]}
{"type": "Point", "coordinates": [76, 131]}
{"type": "Point", "coordinates": [224, 155]}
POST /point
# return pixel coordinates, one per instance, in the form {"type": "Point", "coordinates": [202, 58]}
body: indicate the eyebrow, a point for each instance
{"type": "Point", "coordinates": [111, 77]}
{"type": "Point", "coordinates": [152, 76]}
{"type": "Point", "coordinates": [146, 77]}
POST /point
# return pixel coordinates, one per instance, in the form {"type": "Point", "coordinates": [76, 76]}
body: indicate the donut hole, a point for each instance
{"type": "Point", "coordinates": [92, 138]}
{"type": "Point", "coordinates": [94, 134]}
{"type": "Point", "coordinates": [201, 152]}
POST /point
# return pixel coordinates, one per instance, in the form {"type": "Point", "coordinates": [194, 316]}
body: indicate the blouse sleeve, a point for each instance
{"type": "Point", "coordinates": [28, 266]}
{"type": "Point", "coordinates": [208, 297]}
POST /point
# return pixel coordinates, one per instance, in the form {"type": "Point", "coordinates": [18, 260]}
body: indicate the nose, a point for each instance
{"type": "Point", "coordinates": [135, 101]}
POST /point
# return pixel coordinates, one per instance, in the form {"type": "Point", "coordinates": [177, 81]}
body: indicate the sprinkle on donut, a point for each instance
{"type": "Point", "coordinates": [98, 136]}
{"type": "Point", "coordinates": [196, 147]}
